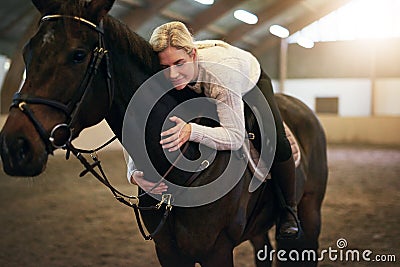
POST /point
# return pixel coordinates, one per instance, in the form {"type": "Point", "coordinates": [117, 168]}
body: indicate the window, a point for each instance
{"type": "Point", "coordinates": [327, 105]}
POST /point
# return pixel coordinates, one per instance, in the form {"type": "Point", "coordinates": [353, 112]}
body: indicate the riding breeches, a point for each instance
{"type": "Point", "coordinates": [283, 149]}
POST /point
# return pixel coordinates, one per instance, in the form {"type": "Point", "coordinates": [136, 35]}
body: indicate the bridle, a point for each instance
{"type": "Point", "coordinates": [71, 110]}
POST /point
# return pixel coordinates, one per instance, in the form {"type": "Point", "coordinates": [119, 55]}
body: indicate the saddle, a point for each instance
{"type": "Point", "coordinates": [258, 167]}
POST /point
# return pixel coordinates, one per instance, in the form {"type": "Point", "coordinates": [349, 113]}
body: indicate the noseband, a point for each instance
{"type": "Point", "coordinates": [72, 108]}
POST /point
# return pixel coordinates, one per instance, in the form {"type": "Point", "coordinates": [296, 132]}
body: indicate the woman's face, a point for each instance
{"type": "Point", "coordinates": [178, 66]}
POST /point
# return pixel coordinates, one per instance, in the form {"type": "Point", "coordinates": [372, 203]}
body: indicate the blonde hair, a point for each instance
{"type": "Point", "coordinates": [177, 35]}
{"type": "Point", "coordinates": [174, 34]}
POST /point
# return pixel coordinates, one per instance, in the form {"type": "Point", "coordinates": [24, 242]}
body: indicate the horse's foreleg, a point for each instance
{"type": "Point", "coordinates": [171, 259]}
{"type": "Point", "coordinates": [221, 254]}
{"type": "Point", "coordinates": [262, 248]}
{"type": "Point", "coordinates": [222, 257]}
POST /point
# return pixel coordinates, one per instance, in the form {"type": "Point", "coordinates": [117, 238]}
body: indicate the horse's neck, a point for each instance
{"type": "Point", "coordinates": [132, 62]}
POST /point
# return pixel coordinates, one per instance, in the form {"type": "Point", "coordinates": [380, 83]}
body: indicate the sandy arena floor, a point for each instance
{"type": "Point", "coordinates": [59, 219]}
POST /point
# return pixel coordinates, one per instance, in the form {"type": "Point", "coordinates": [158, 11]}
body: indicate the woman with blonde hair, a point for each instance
{"type": "Point", "coordinates": [202, 67]}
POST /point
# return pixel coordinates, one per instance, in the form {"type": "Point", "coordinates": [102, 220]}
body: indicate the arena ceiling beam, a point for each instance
{"type": "Point", "coordinates": [263, 16]}
{"type": "Point", "coordinates": [138, 16]}
{"type": "Point", "coordinates": [208, 16]}
{"type": "Point", "coordinates": [312, 15]}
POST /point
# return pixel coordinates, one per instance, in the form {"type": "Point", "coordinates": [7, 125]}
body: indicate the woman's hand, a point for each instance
{"type": "Point", "coordinates": [179, 134]}
{"type": "Point", "coordinates": [137, 178]}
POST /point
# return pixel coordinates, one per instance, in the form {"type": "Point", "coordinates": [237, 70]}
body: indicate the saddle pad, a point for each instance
{"type": "Point", "coordinates": [257, 165]}
{"type": "Point", "coordinates": [294, 144]}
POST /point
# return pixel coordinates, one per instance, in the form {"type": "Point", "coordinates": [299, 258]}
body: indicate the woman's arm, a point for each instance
{"type": "Point", "coordinates": [130, 170]}
{"type": "Point", "coordinates": [136, 177]}
{"type": "Point", "coordinates": [230, 135]}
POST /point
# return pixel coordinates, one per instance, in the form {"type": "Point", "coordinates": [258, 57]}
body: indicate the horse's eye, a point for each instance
{"type": "Point", "coordinates": [79, 56]}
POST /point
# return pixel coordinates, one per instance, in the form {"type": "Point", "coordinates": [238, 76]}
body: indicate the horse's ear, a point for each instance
{"type": "Point", "coordinates": [99, 8]}
{"type": "Point", "coordinates": [45, 6]}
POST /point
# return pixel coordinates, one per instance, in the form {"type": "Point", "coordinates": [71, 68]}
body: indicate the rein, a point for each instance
{"type": "Point", "coordinates": [130, 201]}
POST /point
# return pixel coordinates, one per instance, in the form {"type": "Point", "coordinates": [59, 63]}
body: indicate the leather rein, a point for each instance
{"type": "Point", "coordinates": [22, 102]}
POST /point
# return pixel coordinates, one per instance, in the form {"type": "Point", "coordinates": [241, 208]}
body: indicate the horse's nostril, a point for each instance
{"type": "Point", "coordinates": [19, 157]}
{"type": "Point", "coordinates": [23, 151]}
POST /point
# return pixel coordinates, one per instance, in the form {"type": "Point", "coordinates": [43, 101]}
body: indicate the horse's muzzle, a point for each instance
{"type": "Point", "coordinates": [18, 157]}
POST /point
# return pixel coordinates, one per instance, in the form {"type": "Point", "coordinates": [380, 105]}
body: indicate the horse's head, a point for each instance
{"type": "Point", "coordinates": [67, 86]}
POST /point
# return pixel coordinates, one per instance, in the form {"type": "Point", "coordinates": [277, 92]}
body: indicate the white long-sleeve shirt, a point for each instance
{"type": "Point", "coordinates": [225, 73]}
{"type": "Point", "coordinates": [130, 169]}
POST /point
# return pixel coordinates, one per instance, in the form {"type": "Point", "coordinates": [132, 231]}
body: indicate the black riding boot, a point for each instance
{"type": "Point", "coordinates": [288, 226]}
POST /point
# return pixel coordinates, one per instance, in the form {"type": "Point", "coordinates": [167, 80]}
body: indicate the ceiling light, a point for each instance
{"type": "Point", "coordinates": [245, 16]}
{"type": "Point", "coordinates": [305, 42]}
{"type": "Point", "coordinates": [279, 31]}
{"type": "Point", "coordinates": [205, 2]}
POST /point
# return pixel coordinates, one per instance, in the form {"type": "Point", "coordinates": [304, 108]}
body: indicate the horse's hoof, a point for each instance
{"type": "Point", "coordinates": [288, 231]}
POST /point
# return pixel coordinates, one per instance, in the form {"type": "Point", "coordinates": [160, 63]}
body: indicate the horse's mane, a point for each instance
{"type": "Point", "coordinates": [133, 44]}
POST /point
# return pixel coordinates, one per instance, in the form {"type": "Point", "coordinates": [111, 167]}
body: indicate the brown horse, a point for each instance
{"type": "Point", "coordinates": [83, 66]}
